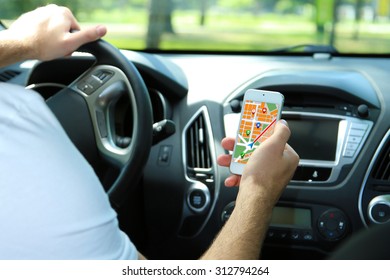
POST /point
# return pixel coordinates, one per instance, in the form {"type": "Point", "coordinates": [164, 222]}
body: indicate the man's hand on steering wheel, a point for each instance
{"type": "Point", "coordinates": [47, 33]}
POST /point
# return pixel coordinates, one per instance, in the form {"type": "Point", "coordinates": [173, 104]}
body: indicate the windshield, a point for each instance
{"type": "Point", "coordinates": [350, 26]}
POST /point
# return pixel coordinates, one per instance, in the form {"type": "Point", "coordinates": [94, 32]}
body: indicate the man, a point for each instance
{"type": "Point", "coordinates": [52, 203]}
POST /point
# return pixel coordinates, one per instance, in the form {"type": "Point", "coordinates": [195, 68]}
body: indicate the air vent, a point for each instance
{"type": "Point", "coordinates": [375, 188]}
{"type": "Point", "coordinates": [197, 142]}
{"type": "Point", "coordinates": [381, 169]}
{"type": "Point", "coordinates": [8, 75]}
{"type": "Point", "coordinates": [199, 161]}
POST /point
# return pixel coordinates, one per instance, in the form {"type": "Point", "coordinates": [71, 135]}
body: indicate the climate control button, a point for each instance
{"type": "Point", "coordinates": [332, 224]}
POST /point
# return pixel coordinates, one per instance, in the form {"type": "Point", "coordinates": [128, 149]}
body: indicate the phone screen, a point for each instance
{"type": "Point", "coordinates": [256, 125]}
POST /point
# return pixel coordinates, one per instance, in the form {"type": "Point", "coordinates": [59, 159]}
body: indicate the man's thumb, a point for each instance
{"type": "Point", "coordinates": [87, 35]}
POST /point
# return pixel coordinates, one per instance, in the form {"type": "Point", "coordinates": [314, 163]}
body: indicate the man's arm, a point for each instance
{"type": "Point", "coordinates": [267, 173]}
{"type": "Point", "coordinates": [45, 33]}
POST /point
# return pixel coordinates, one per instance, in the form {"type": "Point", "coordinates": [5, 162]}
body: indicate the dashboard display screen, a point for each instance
{"type": "Point", "coordinates": [314, 139]}
{"type": "Point", "coordinates": [291, 217]}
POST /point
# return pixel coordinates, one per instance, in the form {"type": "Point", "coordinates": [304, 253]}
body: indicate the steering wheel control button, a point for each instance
{"type": "Point", "coordinates": [379, 209]}
{"type": "Point", "coordinates": [91, 83]}
{"type": "Point", "coordinates": [85, 87]}
{"type": "Point", "coordinates": [332, 225]}
{"type": "Point", "coordinates": [101, 122]}
{"type": "Point", "coordinates": [103, 75]}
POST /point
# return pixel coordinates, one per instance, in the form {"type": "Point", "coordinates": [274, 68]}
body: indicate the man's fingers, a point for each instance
{"type": "Point", "coordinates": [282, 132]}
{"type": "Point", "coordinates": [232, 181]}
{"type": "Point", "coordinates": [86, 35]}
{"type": "Point", "coordinates": [228, 143]}
{"type": "Point", "coordinates": [294, 157]}
{"type": "Point", "coordinates": [224, 160]}
{"type": "Point", "coordinates": [67, 14]}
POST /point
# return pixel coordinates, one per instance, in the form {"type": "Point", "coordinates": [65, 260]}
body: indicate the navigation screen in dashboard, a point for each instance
{"type": "Point", "coordinates": [314, 139]}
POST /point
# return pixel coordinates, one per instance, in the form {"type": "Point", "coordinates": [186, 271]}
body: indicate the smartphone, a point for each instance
{"type": "Point", "coordinates": [260, 111]}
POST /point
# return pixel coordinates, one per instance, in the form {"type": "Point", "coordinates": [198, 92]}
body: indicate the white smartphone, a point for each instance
{"type": "Point", "coordinates": [260, 111]}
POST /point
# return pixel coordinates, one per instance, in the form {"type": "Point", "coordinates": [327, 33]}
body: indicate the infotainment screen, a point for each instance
{"type": "Point", "coordinates": [314, 139]}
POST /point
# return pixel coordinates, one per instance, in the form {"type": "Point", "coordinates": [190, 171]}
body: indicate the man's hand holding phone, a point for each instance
{"type": "Point", "coordinates": [272, 156]}
{"type": "Point", "coordinates": [260, 151]}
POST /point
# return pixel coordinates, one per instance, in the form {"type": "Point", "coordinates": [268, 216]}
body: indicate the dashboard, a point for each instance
{"type": "Point", "coordinates": [337, 110]}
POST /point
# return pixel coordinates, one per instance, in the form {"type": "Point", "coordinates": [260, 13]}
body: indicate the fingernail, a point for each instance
{"type": "Point", "coordinates": [284, 122]}
{"type": "Point", "coordinates": [101, 30]}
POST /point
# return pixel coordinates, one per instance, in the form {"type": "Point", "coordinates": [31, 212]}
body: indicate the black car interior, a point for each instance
{"type": "Point", "coordinates": [175, 201]}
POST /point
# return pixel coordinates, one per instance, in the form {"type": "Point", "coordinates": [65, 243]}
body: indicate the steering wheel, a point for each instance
{"type": "Point", "coordinates": [86, 110]}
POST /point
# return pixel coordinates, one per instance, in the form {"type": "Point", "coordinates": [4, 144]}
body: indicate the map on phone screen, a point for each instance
{"type": "Point", "coordinates": [257, 124]}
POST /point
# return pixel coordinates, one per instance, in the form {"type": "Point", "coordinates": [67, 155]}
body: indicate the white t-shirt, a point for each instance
{"type": "Point", "coordinates": [52, 205]}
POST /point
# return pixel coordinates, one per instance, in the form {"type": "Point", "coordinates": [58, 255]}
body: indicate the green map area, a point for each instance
{"type": "Point", "coordinates": [254, 128]}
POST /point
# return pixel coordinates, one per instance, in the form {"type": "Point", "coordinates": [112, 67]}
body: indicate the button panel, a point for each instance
{"type": "Point", "coordinates": [92, 82]}
{"type": "Point", "coordinates": [332, 224]}
{"type": "Point", "coordinates": [279, 234]}
{"type": "Point", "coordinates": [164, 155]}
{"type": "Point", "coordinates": [354, 138]}
{"type": "Point", "coordinates": [101, 123]}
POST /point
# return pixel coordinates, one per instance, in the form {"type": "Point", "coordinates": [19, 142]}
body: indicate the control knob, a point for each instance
{"type": "Point", "coordinates": [332, 225]}
{"type": "Point", "coordinates": [379, 209]}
